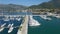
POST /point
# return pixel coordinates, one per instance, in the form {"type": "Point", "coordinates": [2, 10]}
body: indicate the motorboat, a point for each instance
{"type": "Point", "coordinates": [9, 25]}
{"type": "Point", "coordinates": [2, 27]}
{"type": "Point", "coordinates": [45, 17]}
{"type": "Point", "coordinates": [10, 28]}
{"type": "Point", "coordinates": [33, 22]}
{"type": "Point", "coordinates": [18, 19]}
{"type": "Point", "coordinates": [57, 16]}
{"type": "Point", "coordinates": [6, 19]}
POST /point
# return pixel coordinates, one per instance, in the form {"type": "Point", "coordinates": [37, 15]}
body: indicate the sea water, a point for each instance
{"type": "Point", "coordinates": [46, 27]}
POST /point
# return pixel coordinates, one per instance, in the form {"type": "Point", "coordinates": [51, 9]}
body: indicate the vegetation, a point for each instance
{"type": "Point", "coordinates": [11, 7]}
{"type": "Point", "coordinates": [53, 4]}
{"type": "Point", "coordinates": [50, 5]}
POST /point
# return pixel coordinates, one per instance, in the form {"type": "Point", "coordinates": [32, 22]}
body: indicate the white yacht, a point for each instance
{"type": "Point", "coordinates": [9, 25]}
{"type": "Point", "coordinates": [6, 19]}
{"type": "Point", "coordinates": [18, 19]}
{"type": "Point", "coordinates": [33, 22]}
{"type": "Point", "coordinates": [57, 16]}
{"type": "Point", "coordinates": [2, 27]}
{"type": "Point", "coordinates": [45, 17]}
{"type": "Point", "coordinates": [10, 28]}
{"type": "Point", "coordinates": [11, 18]}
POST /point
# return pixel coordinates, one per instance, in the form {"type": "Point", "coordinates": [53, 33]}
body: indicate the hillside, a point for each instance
{"type": "Point", "coordinates": [50, 4]}
{"type": "Point", "coordinates": [11, 7]}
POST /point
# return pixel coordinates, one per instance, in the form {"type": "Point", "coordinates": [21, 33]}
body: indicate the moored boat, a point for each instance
{"type": "Point", "coordinates": [10, 28]}
{"type": "Point", "coordinates": [2, 27]}
{"type": "Point", "coordinates": [33, 22]}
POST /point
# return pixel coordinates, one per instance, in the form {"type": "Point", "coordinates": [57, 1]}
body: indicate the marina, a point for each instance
{"type": "Point", "coordinates": [46, 27]}
{"type": "Point", "coordinates": [23, 22]}
{"type": "Point", "coordinates": [33, 18]}
{"type": "Point", "coordinates": [29, 16]}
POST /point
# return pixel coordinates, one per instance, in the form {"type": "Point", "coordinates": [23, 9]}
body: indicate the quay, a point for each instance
{"type": "Point", "coordinates": [24, 26]}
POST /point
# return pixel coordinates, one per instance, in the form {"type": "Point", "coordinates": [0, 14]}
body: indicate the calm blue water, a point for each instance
{"type": "Point", "coordinates": [46, 27]}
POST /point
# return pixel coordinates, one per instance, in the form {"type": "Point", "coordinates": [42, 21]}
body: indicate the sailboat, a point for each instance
{"type": "Point", "coordinates": [10, 28]}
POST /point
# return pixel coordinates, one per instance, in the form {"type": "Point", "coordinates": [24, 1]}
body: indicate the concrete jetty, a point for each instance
{"type": "Point", "coordinates": [23, 29]}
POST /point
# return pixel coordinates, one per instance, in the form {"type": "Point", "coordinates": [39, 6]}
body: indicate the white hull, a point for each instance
{"type": "Point", "coordinates": [9, 25]}
{"type": "Point", "coordinates": [11, 28]}
{"type": "Point", "coordinates": [6, 19]}
{"type": "Point", "coordinates": [33, 22]}
{"type": "Point", "coordinates": [45, 17]}
{"type": "Point", "coordinates": [18, 19]}
{"type": "Point", "coordinates": [57, 16]}
{"type": "Point", "coordinates": [2, 27]}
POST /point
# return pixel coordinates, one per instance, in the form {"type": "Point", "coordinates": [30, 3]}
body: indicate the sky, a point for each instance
{"type": "Point", "coordinates": [23, 2]}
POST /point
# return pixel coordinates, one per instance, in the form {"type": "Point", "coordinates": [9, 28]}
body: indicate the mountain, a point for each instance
{"type": "Point", "coordinates": [11, 7]}
{"type": "Point", "coordinates": [50, 4]}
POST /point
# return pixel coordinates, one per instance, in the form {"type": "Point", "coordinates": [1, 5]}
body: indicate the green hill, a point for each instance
{"type": "Point", "coordinates": [50, 4]}
{"type": "Point", "coordinates": [11, 7]}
